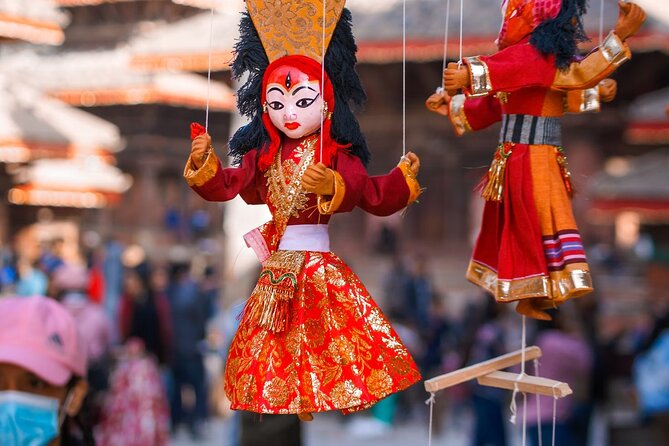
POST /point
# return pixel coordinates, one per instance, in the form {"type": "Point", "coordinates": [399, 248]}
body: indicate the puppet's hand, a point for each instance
{"type": "Point", "coordinates": [607, 90]}
{"type": "Point", "coordinates": [200, 149]}
{"type": "Point", "coordinates": [319, 180]}
{"type": "Point", "coordinates": [438, 102]}
{"type": "Point", "coordinates": [412, 161]}
{"type": "Point", "coordinates": [456, 78]}
{"type": "Point", "coordinates": [630, 18]}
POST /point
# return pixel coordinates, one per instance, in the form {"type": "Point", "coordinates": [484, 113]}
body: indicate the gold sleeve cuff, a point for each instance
{"type": "Point", "coordinates": [583, 101]}
{"type": "Point", "coordinates": [329, 207]}
{"type": "Point", "coordinates": [412, 182]}
{"type": "Point", "coordinates": [198, 177]}
{"type": "Point", "coordinates": [457, 114]}
{"type": "Point", "coordinates": [614, 50]}
{"type": "Point", "coordinates": [479, 76]}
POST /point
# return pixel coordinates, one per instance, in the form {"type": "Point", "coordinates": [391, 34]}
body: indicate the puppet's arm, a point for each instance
{"type": "Point", "coordinates": [347, 185]}
{"type": "Point", "coordinates": [507, 70]}
{"type": "Point", "coordinates": [214, 183]}
{"type": "Point", "coordinates": [590, 99]}
{"type": "Point", "coordinates": [466, 114]}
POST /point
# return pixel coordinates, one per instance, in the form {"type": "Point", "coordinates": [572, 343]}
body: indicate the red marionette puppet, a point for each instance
{"type": "Point", "coordinates": [529, 249]}
{"type": "Point", "coordinates": [311, 338]}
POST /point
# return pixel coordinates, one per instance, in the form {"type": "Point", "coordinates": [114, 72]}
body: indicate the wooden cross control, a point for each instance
{"type": "Point", "coordinates": [488, 374]}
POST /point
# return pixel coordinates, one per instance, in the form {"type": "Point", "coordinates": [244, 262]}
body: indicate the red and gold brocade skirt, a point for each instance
{"type": "Point", "coordinates": [529, 247]}
{"type": "Point", "coordinates": [337, 352]}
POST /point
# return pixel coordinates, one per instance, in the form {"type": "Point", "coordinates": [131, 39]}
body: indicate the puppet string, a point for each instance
{"type": "Point", "coordinates": [601, 21]}
{"type": "Point", "coordinates": [512, 406]}
{"type": "Point", "coordinates": [461, 16]}
{"type": "Point", "coordinates": [430, 402]}
{"type": "Point", "coordinates": [524, 441]}
{"type": "Point", "coordinates": [448, 19]}
{"type": "Point", "coordinates": [536, 373]}
{"type": "Point", "coordinates": [555, 398]}
{"type": "Point", "coordinates": [404, 78]}
{"type": "Point", "coordinates": [322, 80]}
{"type": "Point", "coordinates": [211, 44]}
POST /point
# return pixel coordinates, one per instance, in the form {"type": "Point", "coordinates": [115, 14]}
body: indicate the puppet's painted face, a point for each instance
{"type": "Point", "coordinates": [294, 102]}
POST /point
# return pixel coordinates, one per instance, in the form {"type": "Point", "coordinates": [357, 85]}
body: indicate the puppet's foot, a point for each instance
{"type": "Point", "coordinates": [530, 308]}
{"type": "Point", "coordinates": [305, 416]}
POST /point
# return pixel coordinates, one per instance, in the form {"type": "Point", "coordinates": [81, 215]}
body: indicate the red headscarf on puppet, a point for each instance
{"type": "Point", "coordinates": [313, 69]}
{"type": "Point", "coordinates": [521, 17]}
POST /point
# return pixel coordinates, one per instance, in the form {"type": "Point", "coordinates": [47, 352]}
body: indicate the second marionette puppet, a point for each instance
{"type": "Point", "coordinates": [311, 338]}
{"type": "Point", "coordinates": [529, 248]}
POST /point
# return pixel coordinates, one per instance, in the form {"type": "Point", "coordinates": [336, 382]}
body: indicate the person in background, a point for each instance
{"type": "Point", "coordinates": [135, 410]}
{"type": "Point", "coordinates": [30, 279]}
{"type": "Point", "coordinates": [69, 285]}
{"type": "Point", "coordinates": [145, 312]}
{"type": "Point", "coordinates": [191, 310]}
{"type": "Point", "coordinates": [488, 403]}
{"type": "Point", "coordinates": [568, 358]}
{"type": "Point", "coordinates": [42, 375]}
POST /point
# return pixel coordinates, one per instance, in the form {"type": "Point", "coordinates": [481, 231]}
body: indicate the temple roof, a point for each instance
{"type": "Point", "coordinates": [101, 78]}
{"type": "Point", "coordinates": [648, 120]}
{"type": "Point", "coordinates": [378, 30]}
{"type": "Point", "coordinates": [638, 184]}
{"type": "Point", "coordinates": [34, 21]}
{"type": "Point", "coordinates": [33, 125]}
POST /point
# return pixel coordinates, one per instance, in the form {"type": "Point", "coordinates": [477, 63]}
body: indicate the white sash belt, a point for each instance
{"type": "Point", "coordinates": [305, 238]}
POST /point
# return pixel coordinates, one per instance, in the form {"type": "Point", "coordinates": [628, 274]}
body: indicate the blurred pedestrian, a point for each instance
{"type": "Point", "coordinates": [395, 284]}
{"type": "Point", "coordinates": [69, 283]}
{"type": "Point", "coordinates": [419, 294]}
{"type": "Point", "coordinates": [145, 313]}
{"type": "Point", "coordinates": [191, 309]}
{"type": "Point", "coordinates": [488, 403]}
{"type": "Point", "coordinates": [30, 279]}
{"type": "Point", "coordinates": [135, 411]}
{"type": "Point", "coordinates": [42, 375]}
{"type": "Point", "coordinates": [567, 358]}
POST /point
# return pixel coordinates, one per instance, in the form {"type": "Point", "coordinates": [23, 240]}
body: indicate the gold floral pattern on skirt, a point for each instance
{"type": "Point", "coordinates": [338, 350]}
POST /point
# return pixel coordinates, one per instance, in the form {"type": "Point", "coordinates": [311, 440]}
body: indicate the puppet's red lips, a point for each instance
{"type": "Point", "coordinates": [291, 125]}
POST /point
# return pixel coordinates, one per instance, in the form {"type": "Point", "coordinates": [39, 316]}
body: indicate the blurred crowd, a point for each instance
{"type": "Point", "coordinates": [140, 373]}
{"type": "Point", "coordinates": [143, 328]}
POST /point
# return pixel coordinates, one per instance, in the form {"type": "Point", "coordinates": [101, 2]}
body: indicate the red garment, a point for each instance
{"type": "Point", "coordinates": [337, 350]}
{"type": "Point", "coordinates": [379, 195]}
{"type": "Point", "coordinates": [529, 246]}
{"type": "Point", "coordinates": [135, 410]}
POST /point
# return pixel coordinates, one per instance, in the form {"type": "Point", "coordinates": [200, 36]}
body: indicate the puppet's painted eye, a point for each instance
{"type": "Point", "coordinates": [305, 102]}
{"type": "Point", "coordinates": [275, 105]}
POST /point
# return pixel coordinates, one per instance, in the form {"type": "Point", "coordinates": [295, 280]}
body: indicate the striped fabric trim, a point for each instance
{"type": "Point", "coordinates": [527, 129]}
{"type": "Point", "coordinates": [563, 248]}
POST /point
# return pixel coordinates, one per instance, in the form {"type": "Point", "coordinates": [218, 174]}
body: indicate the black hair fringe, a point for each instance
{"type": "Point", "coordinates": [340, 63]}
{"type": "Point", "coordinates": [560, 36]}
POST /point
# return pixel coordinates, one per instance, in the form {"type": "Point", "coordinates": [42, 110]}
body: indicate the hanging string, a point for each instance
{"type": "Point", "coordinates": [322, 80]}
{"type": "Point", "coordinates": [404, 78]}
{"type": "Point", "coordinates": [521, 375]}
{"type": "Point", "coordinates": [524, 441]}
{"type": "Point", "coordinates": [461, 17]}
{"type": "Point", "coordinates": [601, 21]}
{"type": "Point", "coordinates": [536, 373]}
{"type": "Point", "coordinates": [211, 45]}
{"type": "Point", "coordinates": [555, 398]}
{"type": "Point", "coordinates": [448, 19]}
{"type": "Point", "coordinates": [430, 402]}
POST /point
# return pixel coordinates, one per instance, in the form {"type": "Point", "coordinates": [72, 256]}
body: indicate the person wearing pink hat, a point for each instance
{"type": "Point", "coordinates": [42, 373]}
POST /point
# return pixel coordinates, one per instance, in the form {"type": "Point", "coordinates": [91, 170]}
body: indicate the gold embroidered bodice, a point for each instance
{"type": "Point", "coordinates": [286, 197]}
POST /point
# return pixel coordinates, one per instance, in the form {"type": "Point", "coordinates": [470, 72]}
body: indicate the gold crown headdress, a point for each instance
{"type": "Point", "coordinates": [294, 27]}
